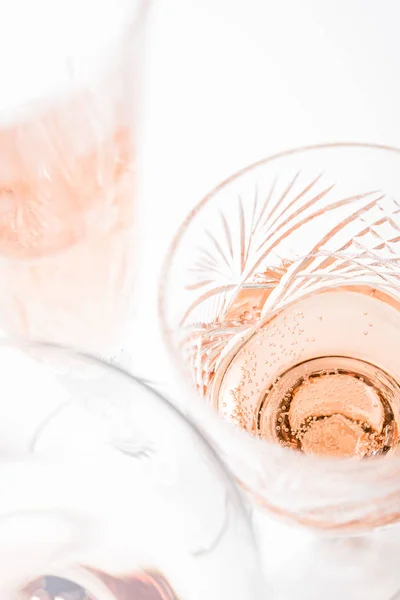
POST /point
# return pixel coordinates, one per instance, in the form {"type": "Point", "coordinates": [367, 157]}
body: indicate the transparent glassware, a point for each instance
{"type": "Point", "coordinates": [280, 303]}
{"type": "Point", "coordinates": [111, 493]}
{"type": "Point", "coordinates": [69, 125]}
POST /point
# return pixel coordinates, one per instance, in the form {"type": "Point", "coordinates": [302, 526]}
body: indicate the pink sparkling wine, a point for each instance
{"type": "Point", "coordinates": [67, 185]}
{"type": "Point", "coordinates": [66, 199]}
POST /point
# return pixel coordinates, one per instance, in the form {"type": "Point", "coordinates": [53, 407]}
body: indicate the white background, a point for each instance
{"type": "Point", "coordinates": [227, 83]}
{"type": "Point", "coordinates": [231, 81]}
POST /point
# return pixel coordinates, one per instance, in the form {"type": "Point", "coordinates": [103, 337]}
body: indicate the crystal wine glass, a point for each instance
{"type": "Point", "coordinates": [69, 107]}
{"type": "Point", "coordinates": [280, 301]}
{"type": "Point", "coordinates": [111, 493]}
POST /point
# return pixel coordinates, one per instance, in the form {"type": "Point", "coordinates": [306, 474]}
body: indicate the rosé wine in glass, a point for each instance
{"type": "Point", "coordinates": [280, 301]}
{"type": "Point", "coordinates": [67, 180]}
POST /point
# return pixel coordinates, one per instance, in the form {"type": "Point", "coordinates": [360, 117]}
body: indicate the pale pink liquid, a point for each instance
{"type": "Point", "coordinates": [66, 216]}
{"type": "Point", "coordinates": [320, 376]}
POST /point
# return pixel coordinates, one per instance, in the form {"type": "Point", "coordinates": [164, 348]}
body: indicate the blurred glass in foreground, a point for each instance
{"type": "Point", "coordinates": [109, 493]}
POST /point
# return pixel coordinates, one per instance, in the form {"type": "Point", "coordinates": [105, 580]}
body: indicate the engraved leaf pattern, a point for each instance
{"type": "Point", "coordinates": [243, 246]}
{"type": "Point", "coordinates": [253, 241]}
{"type": "Point", "coordinates": [368, 255]}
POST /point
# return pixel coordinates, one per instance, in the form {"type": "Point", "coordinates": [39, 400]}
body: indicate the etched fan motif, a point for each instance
{"type": "Point", "coordinates": [361, 248]}
{"type": "Point", "coordinates": [263, 252]}
{"type": "Point", "coordinates": [250, 246]}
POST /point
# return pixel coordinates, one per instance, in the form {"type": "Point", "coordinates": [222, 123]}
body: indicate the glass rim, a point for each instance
{"type": "Point", "coordinates": [352, 468]}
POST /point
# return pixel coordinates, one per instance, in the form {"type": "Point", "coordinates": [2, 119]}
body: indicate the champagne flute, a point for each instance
{"type": "Point", "coordinates": [69, 125]}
